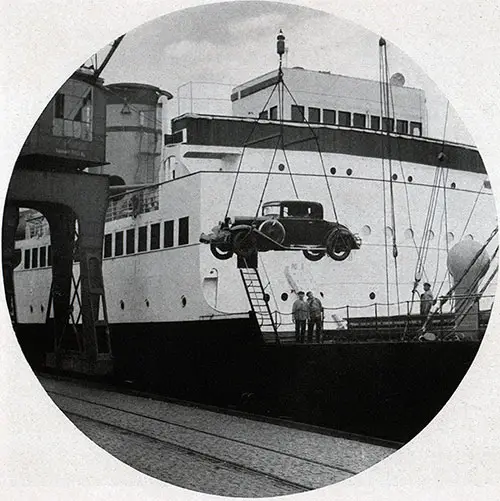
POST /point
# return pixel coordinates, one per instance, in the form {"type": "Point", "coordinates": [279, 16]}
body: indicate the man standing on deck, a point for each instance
{"type": "Point", "coordinates": [426, 300]}
{"type": "Point", "coordinates": [315, 318]}
{"type": "Point", "coordinates": [300, 315]}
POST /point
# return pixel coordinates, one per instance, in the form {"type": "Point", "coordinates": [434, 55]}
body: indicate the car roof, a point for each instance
{"type": "Point", "coordinates": [275, 202]}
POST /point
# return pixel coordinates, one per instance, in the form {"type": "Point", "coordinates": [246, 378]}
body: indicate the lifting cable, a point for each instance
{"type": "Point", "coordinates": [316, 140]}
{"type": "Point", "coordinates": [245, 146]}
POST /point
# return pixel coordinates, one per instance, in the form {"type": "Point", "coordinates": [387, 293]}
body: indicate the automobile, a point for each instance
{"type": "Point", "coordinates": [293, 225]}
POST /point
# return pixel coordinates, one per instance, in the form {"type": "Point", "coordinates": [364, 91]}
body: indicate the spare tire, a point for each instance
{"type": "Point", "coordinates": [339, 244]}
{"type": "Point", "coordinates": [244, 243]}
{"type": "Point", "coordinates": [273, 229]}
{"type": "Point", "coordinates": [221, 253]}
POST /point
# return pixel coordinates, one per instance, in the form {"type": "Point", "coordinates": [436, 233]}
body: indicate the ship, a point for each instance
{"type": "Point", "coordinates": [189, 324]}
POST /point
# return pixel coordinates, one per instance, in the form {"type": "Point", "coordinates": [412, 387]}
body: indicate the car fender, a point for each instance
{"type": "Point", "coordinates": [240, 227]}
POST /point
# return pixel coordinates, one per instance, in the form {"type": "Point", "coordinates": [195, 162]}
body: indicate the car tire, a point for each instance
{"type": "Point", "coordinates": [273, 229]}
{"type": "Point", "coordinates": [313, 255]}
{"type": "Point", "coordinates": [221, 254]}
{"type": "Point", "coordinates": [244, 243]}
{"type": "Point", "coordinates": [339, 244]}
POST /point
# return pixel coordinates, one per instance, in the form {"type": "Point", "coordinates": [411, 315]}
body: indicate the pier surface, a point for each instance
{"type": "Point", "coordinates": [209, 451]}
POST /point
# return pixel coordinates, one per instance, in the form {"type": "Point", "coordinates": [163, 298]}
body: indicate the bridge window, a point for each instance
{"type": "Point", "coordinates": [34, 258]}
{"type": "Point", "coordinates": [155, 236]}
{"type": "Point", "coordinates": [273, 113]}
{"type": "Point", "coordinates": [49, 255]}
{"type": "Point", "coordinates": [374, 122]}
{"type": "Point", "coordinates": [314, 115]}
{"type": "Point", "coordinates": [344, 118]}
{"type": "Point", "coordinates": [263, 114]}
{"type": "Point", "coordinates": [168, 234]}
{"type": "Point", "coordinates": [359, 120]}
{"type": "Point", "coordinates": [130, 241]}
{"type": "Point", "coordinates": [329, 117]}
{"type": "Point", "coordinates": [107, 245]}
{"type": "Point", "coordinates": [119, 243]}
{"type": "Point", "coordinates": [143, 239]}
{"type": "Point", "coordinates": [297, 113]}
{"type": "Point", "coordinates": [387, 124]}
{"type": "Point", "coordinates": [43, 256]}
{"type": "Point", "coordinates": [402, 126]}
{"type": "Point", "coordinates": [183, 230]}
{"type": "Point", "coordinates": [27, 259]}
{"type": "Point", "coordinates": [416, 128]}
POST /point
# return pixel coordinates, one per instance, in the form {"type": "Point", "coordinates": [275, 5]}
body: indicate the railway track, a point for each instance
{"type": "Point", "coordinates": [209, 451]}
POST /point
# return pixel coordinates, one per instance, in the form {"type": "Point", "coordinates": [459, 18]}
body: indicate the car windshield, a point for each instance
{"type": "Point", "coordinates": [271, 210]}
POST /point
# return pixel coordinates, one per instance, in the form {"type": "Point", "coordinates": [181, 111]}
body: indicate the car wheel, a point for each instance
{"type": "Point", "coordinates": [220, 253]}
{"type": "Point", "coordinates": [313, 255]}
{"type": "Point", "coordinates": [339, 244]}
{"type": "Point", "coordinates": [273, 229]}
{"type": "Point", "coordinates": [244, 243]}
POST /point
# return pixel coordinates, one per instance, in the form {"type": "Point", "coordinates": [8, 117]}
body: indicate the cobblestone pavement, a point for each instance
{"type": "Point", "coordinates": [207, 451]}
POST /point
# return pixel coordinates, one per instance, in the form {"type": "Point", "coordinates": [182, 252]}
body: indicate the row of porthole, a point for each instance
{"type": "Point", "coordinates": [146, 301]}
{"type": "Point", "coordinates": [366, 231]}
{"type": "Point", "coordinates": [333, 171]}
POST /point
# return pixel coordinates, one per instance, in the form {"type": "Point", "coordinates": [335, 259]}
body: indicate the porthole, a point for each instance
{"type": "Point", "coordinates": [31, 308]}
{"type": "Point", "coordinates": [468, 237]}
{"type": "Point", "coordinates": [394, 177]}
{"type": "Point", "coordinates": [366, 231]}
{"type": "Point", "coordinates": [450, 237]}
{"type": "Point", "coordinates": [122, 304]}
{"type": "Point", "coordinates": [281, 167]}
{"type": "Point", "coordinates": [388, 232]}
{"type": "Point", "coordinates": [321, 294]}
{"type": "Point", "coordinates": [183, 301]}
{"type": "Point", "coordinates": [431, 235]}
{"type": "Point", "coordinates": [409, 233]}
{"type": "Point", "coordinates": [453, 185]}
{"type": "Point", "coordinates": [267, 297]}
{"type": "Point", "coordinates": [333, 171]}
{"type": "Point", "coordinates": [42, 308]}
{"type": "Point", "coordinates": [147, 303]}
{"type": "Point", "coordinates": [284, 296]}
{"type": "Point", "coordinates": [349, 172]}
{"type": "Point", "coordinates": [410, 179]}
{"type": "Point", "coordinates": [372, 295]}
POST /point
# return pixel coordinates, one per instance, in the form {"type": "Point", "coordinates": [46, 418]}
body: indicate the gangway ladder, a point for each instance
{"type": "Point", "coordinates": [257, 299]}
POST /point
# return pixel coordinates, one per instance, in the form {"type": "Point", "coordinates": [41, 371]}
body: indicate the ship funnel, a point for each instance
{"type": "Point", "coordinates": [468, 262]}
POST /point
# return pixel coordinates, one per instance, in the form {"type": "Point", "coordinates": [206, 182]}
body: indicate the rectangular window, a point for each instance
{"type": "Point", "coordinates": [107, 245]}
{"type": "Point", "coordinates": [402, 126]}
{"type": "Point", "coordinates": [387, 124]}
{"type": "Point", "coordinates": [297, 113]}
{"type": "Point", "coordinates": [59, 106]}
{"type": "Point", "coordinates": [34, 258]}
{"type": "Point", "coordinates": [263, 114]}
{"type": "Point", "coordinates": [273, 113]}
{"type": "Point", "coordinates": [375, 122]}
{"type": "Point", "coordinates": [119, 243]}
{"type": "Point", "coordinates": [314, 115]}
{"type": "Point", "coordinates": [155, 236]}
{"type": "Point", "coordinates": [168, 234]}
{"type": "Point", "coordinates": [130, 241]}
{"type": "Point", "coordinates": [183, 230]}
{"type": "Point", "coordinates": [359, 120]}
{"type": "Point", "coordinates": [27, 260]}
{"type": "Point", "coordinates": [416, 128]}
{"type": "Point", "coordinates": [344, 118]}
{"type": "Point", "coordinates": [143, 239]}
{"type": "Point", "coordinates": [43, 256]}
{"type": "Point", "coordinates": [49, 255]}
{"type": "Point", "coordinates": [329, 117]}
